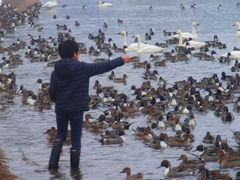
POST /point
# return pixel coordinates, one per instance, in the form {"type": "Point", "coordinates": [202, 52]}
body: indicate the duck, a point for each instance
{"type": "Point", "coordinates": [193, 5]}
{"type": "Point", "coordinates": [190, 121]}
{"type": "Point", "coordinates": [120, 21]}
{"type": "Point", "coordinates": [76, 23]}
{"type": "Point", "coordinates": [120, 80]}
{"type": "Point", "coordinates": [182, 6]}
{"type": "Point", "coordinates": [208, 57]}
{"type": "Point", "coordinates": [42, 86]}
{"type": "Point", "coordinates": [167, 33]}
{"type": "Point", "coordinates": [186, 35]}
{"type": "Point", "coordinates": [238, 29]}
{"type": "Point", "coordinates": [208, 139]}
{"type": "Point", "coordinates": [179, 142]}
{"type": "Point", "coordinates": [175, 171]}
{"type": "Point", "coordinates": [151, 75]}
{"type": "Point", "coordinates": [207, 153]}
{"type": "Point", "coordinates": [50, 4]}
{"type": "Point", "coordinates": [145, 135]}
{"type": "Point", "coordinates": [51, 134]}
{"type": "Point", "coordinates": [219, 7]}
{"type": "Point", "coordinates": [105, 25]}
{"type": "Point", "coordinates": [227, 161]}
{"type": "Point", "coordinates": [158, 142]}
{"type": "Point", "coordinates": [148, 36]}
{"type": "Point", "coordinates": [113, 137]}
{"type": "Point", "coordinates": [155, 57]}
{"type": "Point", "coordinates": [194, 164]}
{"type": "Point", "coordinates": [146, 48]}
{"type": "Point", "coordinates": [111, 76]}
{"type": "Point", "coordinates": [213, 174]}
{"type": "Point", "coordinates": [104, 5]}
{"type": "Point", "coordinates": [227, 116]}
{"type": "Point", "coordinates": [127, 170]}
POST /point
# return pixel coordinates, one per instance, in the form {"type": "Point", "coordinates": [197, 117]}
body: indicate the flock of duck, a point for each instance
{"type": "Point", "coordinates": [165, 107]}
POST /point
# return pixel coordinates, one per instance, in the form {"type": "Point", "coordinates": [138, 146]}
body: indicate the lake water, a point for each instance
{"type": "Point", "coordinates": [22, 129]}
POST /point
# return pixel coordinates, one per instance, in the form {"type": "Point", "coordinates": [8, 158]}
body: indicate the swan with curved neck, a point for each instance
{"type": "Point", "coordinates": [146, 48]}
{"type": "Point", "coordinates": [194, 44]}
{"type": "Point", "coordinates": [186, 35]}
{"type": "Point", "coordinates": [238, 29]}
{"type": "Point", "coordinates": [132, 47]}
{"type": "Point", "coordinates": [50, 4]}
{"type": "Point", "coordinates": [124, 33]}
{"type": "Point", "coordinates": [104, 4]}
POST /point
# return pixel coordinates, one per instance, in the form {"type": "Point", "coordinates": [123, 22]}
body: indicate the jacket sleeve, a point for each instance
{"type": "Point", "coordinates": [102, 67]}
{"type": "Point", "coordinates": [52, 88]}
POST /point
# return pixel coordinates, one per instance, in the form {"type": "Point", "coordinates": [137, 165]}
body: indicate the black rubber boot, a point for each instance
{"type": "Point", "coordinates": [74, 158]}
{"type": "Point", "coordinates": [55, 154]}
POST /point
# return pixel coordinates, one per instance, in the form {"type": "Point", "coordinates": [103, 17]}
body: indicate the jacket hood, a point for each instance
{"type": "Point", "coordinates": [66, 68]}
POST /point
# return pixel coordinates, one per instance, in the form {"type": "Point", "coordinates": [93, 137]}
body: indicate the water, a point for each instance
{"type": "Point", "coordinates": [22, 128]}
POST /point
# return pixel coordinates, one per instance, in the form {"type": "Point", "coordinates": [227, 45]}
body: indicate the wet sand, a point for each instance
{"type": "Point", "coordinates": [4, 172]}
{"type": "Point", "coordinates": [20, 4]}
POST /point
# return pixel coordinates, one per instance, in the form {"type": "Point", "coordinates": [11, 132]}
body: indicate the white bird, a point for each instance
{"type": "Point", "coordinates": [234, 55]}
{"type": "Point", "coordinates": [186, 35]}
{"type": "Point", "coordinates": [190, 44]}
{"type": "Point", "coordinates": [238, 27]}
{"type": "Point", "coordinates": [50, 4]}
{"type": "Point", "coordinates": [146, 48]}
{"type": "Point", "coordinates": [133, 47]}
{"type": "Point", "coordinates": [102, 5]}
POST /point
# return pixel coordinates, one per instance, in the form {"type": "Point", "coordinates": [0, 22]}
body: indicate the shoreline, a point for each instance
{"type": "Point", "coordinates": [22, 5]}
{"type": "Point", "coordinates": [4, 169]}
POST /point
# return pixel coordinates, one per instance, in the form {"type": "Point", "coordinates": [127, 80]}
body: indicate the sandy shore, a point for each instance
{"type": "Point", "coordinates": [4, 172]}
{"type": "Point", "coordinates": [20, 4]}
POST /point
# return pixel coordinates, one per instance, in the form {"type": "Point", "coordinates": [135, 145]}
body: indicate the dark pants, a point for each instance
{"type": "Point", "coordinates": [76, 120]}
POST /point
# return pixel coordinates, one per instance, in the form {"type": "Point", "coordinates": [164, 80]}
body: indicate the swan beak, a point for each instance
{"type": "Point", "coordinates": [197, 24]}
{"type": "Point", "coordinates": [234, 25]}
{"type": "Point", "coordinates": [134, 35]}
{"type": "Point", "coordinates": [120, 32]}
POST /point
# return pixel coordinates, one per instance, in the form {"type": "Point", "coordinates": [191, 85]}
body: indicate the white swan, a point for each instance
{"type": "Point", "coordinates": [104, 4]}
{"type": "Point", "coordinates": [50, 4]}
{"type": "Point", "coordinates": [234, 55]}
{"type": "Point", "coordinates": [146, 48]}
{"type": "Point", "coordinates": [190, 44]}
{"type": "Point", "coordinates": [186, 35]}
{"type": "Point", "coordinates": [238, 27]}
{"type": "Point", "coordinates": [133, 47]}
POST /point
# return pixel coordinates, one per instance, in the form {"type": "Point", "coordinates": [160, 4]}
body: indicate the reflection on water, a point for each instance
{"type": "Point", "coordinates": [23, 128]}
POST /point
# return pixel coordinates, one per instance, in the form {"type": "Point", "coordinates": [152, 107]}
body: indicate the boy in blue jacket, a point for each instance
{"type": "Point", "coordinates": [69, 89]}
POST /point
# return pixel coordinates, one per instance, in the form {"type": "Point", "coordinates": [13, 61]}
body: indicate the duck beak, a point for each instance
{"type": "Point", "coordinates": [159, 167]}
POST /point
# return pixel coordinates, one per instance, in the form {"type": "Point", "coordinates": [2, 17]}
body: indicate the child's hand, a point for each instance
{"type": "Point", "coordinates": [126, 59]}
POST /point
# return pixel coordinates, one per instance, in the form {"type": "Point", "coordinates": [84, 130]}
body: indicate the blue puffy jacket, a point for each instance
{"type": "Point", "coordinates": [69, 84]}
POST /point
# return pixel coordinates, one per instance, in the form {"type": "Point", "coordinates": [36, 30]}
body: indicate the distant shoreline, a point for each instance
{"type": "Point", "coordinates": [20, 4]}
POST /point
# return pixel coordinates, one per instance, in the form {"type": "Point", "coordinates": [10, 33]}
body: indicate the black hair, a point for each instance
{"type": "Point", "coordinates": [67, 48]}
